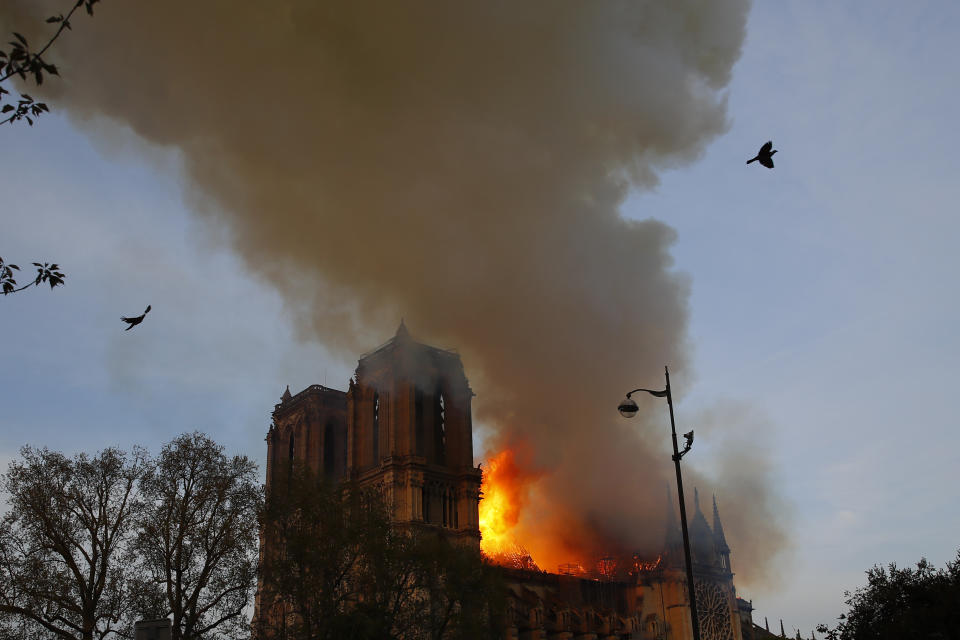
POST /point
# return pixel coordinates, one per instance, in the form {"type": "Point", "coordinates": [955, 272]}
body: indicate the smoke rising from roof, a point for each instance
{"type": "Point", "coordinates": [460, 165]}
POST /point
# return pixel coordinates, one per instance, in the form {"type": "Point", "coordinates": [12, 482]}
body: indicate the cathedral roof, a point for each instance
{"type": "Point", "coordinates": [401, 340]}
{"type": "Point", "coordinates": [405, 356]}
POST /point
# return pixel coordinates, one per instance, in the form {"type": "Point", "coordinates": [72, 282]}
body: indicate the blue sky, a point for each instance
{"type": "Point", "coordinates": [823, 305]}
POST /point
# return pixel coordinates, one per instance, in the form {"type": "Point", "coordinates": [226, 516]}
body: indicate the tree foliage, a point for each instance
{"type": "Point", "coordinates": [196, 540]}
{"type": "Point", "coordinates": [20, 61]}
{"type": "Point", "coordinates": [68, 523]}
{"type": "Point", "coordinates": [91, 543]}
{"type": "Point", "coordinates": [23, 62]}
{"type": "Point", "coordinates": [334, 566]}
{"type": "Point", "coordinates": [46, 272]}
{"type": "Point", "coordinates": [903, 604]}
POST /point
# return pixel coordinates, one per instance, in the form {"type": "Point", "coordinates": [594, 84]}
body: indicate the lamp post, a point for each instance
{"type": "Point", "coordinates": [628, 408]}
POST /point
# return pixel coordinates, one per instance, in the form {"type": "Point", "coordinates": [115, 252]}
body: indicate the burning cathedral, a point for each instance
{"type": "Point", "coordinates": [404, 428]}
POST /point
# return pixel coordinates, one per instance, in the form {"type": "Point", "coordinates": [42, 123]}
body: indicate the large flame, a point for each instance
{"type": "Point", "coordinates": [504, 494]}
{"type": "Point", "coordinates": [500, 507]}
{"type": "Point", "coordinates": [505, 489]}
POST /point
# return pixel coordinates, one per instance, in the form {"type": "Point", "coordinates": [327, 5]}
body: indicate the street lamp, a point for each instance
{"type": "Point", "coordinates": [628, 408]}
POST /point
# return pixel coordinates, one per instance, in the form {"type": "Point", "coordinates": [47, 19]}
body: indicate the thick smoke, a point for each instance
{"type": "Point", "coordinates": [459, 164]}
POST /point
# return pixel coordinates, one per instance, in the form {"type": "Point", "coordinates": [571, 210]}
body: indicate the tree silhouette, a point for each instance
{"type": "Point", "coordinates": [196, 541]}
{"type": "Point", "coordinates": [902, 604]}
{"type": "Point", "coordinates": [20, 61]}
{"type": "Point", "coordinates": [61, 542]}
{"type": "Point", "coordinates": [46, 272]}
{"type": "Point", "coordinates": [28, 65]}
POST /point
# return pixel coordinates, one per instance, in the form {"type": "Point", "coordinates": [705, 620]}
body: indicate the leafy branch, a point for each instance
{"type": "Point", "coordinates": [46, 272]}
{"type": "Point", "coordinates": [21, 61]}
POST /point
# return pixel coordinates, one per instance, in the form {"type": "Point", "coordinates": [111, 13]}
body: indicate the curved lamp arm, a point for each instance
{"type": "Point", "coordinates": [658, 394]}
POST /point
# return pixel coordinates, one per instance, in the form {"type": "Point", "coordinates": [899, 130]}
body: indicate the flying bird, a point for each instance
{"type": "Point", "coordinates": [137, 320]}
{"type": "Point", "coordinates": [765, 155]}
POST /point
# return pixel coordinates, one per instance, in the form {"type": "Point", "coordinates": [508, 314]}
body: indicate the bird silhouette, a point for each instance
{"type": "Point", "coordinates": [137, 320]}
{"type": "Point", "coordinates": [765, 155]}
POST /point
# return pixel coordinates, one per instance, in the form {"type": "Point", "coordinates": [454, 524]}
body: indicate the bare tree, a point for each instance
{"type": "Point", "coordinates": [197, 539]}
{"type": "Point", "coordinates": [60, 543]}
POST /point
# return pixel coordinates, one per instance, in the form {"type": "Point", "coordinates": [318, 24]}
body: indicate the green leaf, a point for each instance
{"type": "Point", "coordinates": [20, 38]}
{"type": "Point", "coordinates": [6, 108]}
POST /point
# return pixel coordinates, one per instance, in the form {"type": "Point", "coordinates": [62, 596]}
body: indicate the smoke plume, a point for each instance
{"type": "Point", "coordinates": [461, 165]}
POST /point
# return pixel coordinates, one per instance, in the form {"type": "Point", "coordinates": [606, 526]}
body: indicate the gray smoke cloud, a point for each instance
{"type": "Point", "coordinates": [459, 164]}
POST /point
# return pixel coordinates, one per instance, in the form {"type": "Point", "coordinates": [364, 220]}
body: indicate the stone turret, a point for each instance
{"type": "Point", "coordinates": [719, 539]}
{"type": "Point", "coordinates": [702, 546]}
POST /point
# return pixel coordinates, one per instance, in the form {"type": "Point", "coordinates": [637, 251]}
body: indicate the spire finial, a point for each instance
{"type": "Point", "coordinates": [783, 634]}
{"type": "Point", "coordinates": [402, 329]}
{"type": "Point", "coordinates": [696, 498]}
{"type": "Point", "coordinates": [286, 395]}
{"type": "Point", "coordinates": [673, 538]}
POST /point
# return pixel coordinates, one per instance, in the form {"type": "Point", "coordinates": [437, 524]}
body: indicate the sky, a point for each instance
{"type": "Point", "coordinates": [821, 324]}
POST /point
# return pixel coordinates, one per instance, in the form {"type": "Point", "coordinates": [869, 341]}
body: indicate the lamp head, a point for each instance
{"type": "Point", "coordinates": [628, 408]}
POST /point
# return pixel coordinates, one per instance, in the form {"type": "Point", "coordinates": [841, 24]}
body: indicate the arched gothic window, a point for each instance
{"type": "Point", "coordinates": [443, 508]}
{"type": "Point", "coordinates": [376, 427]}
{"type": "Point", "coordinates": [441, 426]}
{"type": "Point", "coordinates": [425, 503]}
{"type": "Point", "coordinates": [419, 434]}
{"type": "Point", "coordinates": [329, 451]}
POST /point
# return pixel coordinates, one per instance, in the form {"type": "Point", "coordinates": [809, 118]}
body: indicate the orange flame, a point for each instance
{"type": "Point", "coordinates": [500, 507]}
{"type": "Point", "coordinates": [505, 487]}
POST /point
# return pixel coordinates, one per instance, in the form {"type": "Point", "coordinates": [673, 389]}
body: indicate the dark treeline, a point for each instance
{"type": "Point", "coordinates": [91, 543]}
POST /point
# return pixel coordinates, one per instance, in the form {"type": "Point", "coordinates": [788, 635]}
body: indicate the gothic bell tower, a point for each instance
{"type": "Point", "coordinates": [409, 435]}
{"type": "Point", "coordinates": [717, 608]}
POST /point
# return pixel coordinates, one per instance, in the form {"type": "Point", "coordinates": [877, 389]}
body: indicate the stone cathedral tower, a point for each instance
{"type": "Point", "coordinates": [403, 428]}
{"type": "Point", "coordinates": [717, 603]}
{"type": "Point", "coordinates": [409, 434]}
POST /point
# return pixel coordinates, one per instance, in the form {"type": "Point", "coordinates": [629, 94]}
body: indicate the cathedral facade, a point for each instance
{"type": "Point", "coordinates": [404, 428]}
